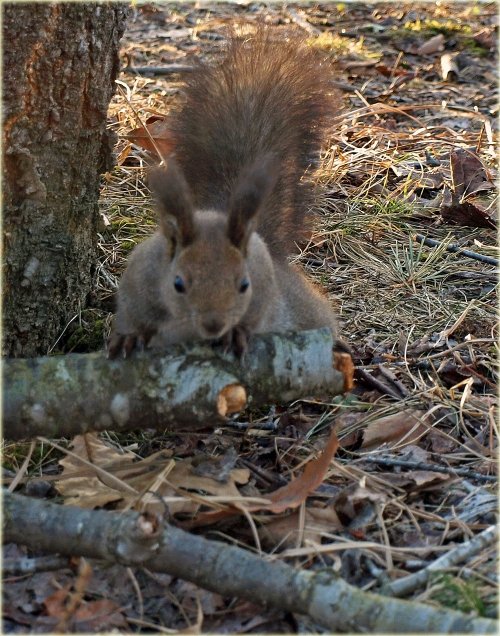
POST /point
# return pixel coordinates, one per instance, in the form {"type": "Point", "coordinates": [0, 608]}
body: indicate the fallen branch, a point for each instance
{"type": "Point", "coordinates": [135, 539]}
{"type": "Point", "coordinates": [21, 566]}
{"type": "Point", "coordinates": [407, 584]}
{"type": "Point", "coordinates": [188, 386]}
{"type": "Point", "coordinates": [436, 468]}
{"type": "Point", "coordinates": [370, 380]}
{"type": "Point", "coordinates": [167, 69]}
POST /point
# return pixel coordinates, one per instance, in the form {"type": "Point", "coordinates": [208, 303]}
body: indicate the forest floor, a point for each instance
{"type": "Point", "coordinates": [413, 155]}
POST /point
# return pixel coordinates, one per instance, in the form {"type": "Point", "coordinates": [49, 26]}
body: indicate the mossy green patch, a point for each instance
{"type": "Point", "coordinates": [458, 594]}
{"type": "Point", "coordinates": [433, 27]}
{"type": "Point", "coordinates": [339, 45]}
{"type": "Point", "coordinates": [474, 48]}
{"type": "Point", "coordinates": [87, 336]}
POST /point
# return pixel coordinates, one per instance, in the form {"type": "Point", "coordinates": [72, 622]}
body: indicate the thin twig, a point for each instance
{"type": "Point", "coordinates": [361, 374]}
{"type": "Point", "coordinates": [159, 70]}
{"type": "Point", "coordinates": [387, 373]}
{"type": "Point", "coordinates": [456, 248]}
{"type": "Point", "coordinates": [19, 567]}
{"type": "Point", "coordinates": [407, 584]}
{"type": "Point", "coordinates": [466, 472]}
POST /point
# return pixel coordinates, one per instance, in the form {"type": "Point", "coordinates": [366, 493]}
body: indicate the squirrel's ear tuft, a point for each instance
{"type": "Point", "coordinates": [249, 194]}
{"type": "Point", "coordinates": [173, 198]}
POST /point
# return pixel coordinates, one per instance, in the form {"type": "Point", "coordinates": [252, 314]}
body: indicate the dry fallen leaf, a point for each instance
{"type": "Point", "coordinates": [400, 429]}
{"type": "Point", "coordinates": [460, 212]}
{"type": "Point", "coordinates": [290, 496]}
{"type": "Point", "coordinates": [294, 493]}
{"type": "Point", "coordinates": [468, 173]}
{"type": "Point", "coordinates": [143, 483]}
{"type": "Point", "coordinates": [283, 532]}
{"type": "Point", "coordinates": [468, 176]}
{"type": "Point", "coordinates": [91, 616]}
{"type": "Point", "coordinates": [154, 136]}
{"type": "Point", "coordinates": [416, 480]}
{"type": "Point", "coordinates": [81, 484]}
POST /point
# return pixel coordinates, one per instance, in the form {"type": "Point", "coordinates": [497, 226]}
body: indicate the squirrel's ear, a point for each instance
{"type": "Point", "coordinates": [171, 192]}
{"type": "Point", "coordinates": [249, 194]}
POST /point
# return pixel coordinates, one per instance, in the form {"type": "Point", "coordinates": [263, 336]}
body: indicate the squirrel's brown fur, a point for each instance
{"type": "Point", "coordinates": [232, 204]}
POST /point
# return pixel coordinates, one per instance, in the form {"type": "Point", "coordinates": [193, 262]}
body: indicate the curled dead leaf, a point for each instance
{"type": "Point", "coordinates": [154, 136]}
{"type": "Point", "coordinates": [290, 496]}
{"type": "Point", "coordinates": [294, 493]}
{"type": "Point", "coordinates": [468, 174]}
{"type": "Point", "coordinates": [449, 68]}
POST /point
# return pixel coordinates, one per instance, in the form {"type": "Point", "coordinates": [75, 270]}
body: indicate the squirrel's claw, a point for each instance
{"type": "Point", "coordinates": [240, 341]}
{"type": "Point", "coordinates": [125, 344]}
{"type": "Point", "coordinates": [129, 344]}
{"type": "Point", "coordinates": [114, 346]}
{"type": "Point", "coordinates": [236, 340]}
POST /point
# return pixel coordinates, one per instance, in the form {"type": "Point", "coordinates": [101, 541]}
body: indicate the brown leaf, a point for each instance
{"type": "Point", "coordinates": [486, 37]}
{"type": "Point", "coordinates": [348, 422]}
{"type": "Point", "coordinates": [440, 443]}
{"type": "Point", "coordinates": [468, 213]}
{"type": "Point", "coordinates": [402, 428]}
{"type": "Point", "coordinates": [294, 493]}
{"type": "Point", "coordinates": [289, 496]}
{"type": "Point", "coordinates": [93, 616]}
{"type": "Point", "coordinates": [183, 476]}
{"type": "Point", "coordinates": [81, 484]}
{"type": "Point", "coordinates": [390, 71]}
{"type": "Point", "coordinates": [128, 482]}
{"type": "Point", "coordinates": [284, 530]}
{"type": "Point", "coordinates": [123, 155]}
{"type": "Point", "coordinates": [154, 136]}
{"type": "Point", "coordinates": [55, 604]}
{"type": "Point", "coordinates": [468, 174]}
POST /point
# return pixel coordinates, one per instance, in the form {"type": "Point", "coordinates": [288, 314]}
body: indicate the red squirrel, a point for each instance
{"type": "Point", "coordinates": [232, 202]}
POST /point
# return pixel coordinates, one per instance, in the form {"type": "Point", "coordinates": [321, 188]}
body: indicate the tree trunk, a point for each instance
{"type": "Point", "coordinates": [60, 61]}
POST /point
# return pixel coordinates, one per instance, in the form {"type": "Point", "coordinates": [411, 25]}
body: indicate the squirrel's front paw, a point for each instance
{"type": "Point", "coordinates": [125, 344]}
{"type": "Point", "coordinates": [236, 340]}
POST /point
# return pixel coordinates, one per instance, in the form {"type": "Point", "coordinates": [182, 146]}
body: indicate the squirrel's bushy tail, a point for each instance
{"type": "Point", "coordinates": [267, 96]}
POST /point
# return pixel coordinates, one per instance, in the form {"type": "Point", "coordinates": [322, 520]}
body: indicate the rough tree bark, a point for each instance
{"type": "Point", "coordinates": [60, 61]}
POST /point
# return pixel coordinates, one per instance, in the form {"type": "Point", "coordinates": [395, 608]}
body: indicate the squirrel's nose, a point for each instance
{"type": "Point", "coordinates": [213, 327]}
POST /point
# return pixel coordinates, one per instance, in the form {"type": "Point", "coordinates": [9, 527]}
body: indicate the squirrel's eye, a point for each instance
{"type": "Point", "coordinates": [179, 285]}
{"type": "Point", "coordinates": [244, 285]}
